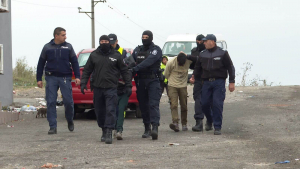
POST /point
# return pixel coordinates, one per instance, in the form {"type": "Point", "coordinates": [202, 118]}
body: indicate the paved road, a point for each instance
{"type": "Point", "coordinates": [261, 126]}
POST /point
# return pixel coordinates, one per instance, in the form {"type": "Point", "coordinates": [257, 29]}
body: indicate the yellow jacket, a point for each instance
{"type": "Point", "coordinates": [162, 66]}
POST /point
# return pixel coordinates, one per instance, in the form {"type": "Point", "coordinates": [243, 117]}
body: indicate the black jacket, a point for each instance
{"type": "Point", "coordinates": [106, 69]}
{"type": "Point", "coordinates": [215, 63]}
{"type": "Point", "coordinates": [194, 52]}
{"type": "Point", "coordinates": [151, 63]}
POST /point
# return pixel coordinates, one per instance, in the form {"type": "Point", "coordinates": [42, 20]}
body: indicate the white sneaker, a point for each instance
{"type": "Point", "coordinates": [119, 136]}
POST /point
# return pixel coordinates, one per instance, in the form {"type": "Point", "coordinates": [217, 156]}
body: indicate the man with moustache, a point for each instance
{"type": "Point", "coordinates": [214, 65]}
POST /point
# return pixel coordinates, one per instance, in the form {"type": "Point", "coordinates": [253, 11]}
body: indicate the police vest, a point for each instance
{"type": "Point", "coordinates": [141, 56]}
{"type": "Point", "coordinates": [120, 50]}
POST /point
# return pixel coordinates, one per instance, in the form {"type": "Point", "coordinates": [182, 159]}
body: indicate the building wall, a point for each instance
{"type": "Point", "coordinates": [6, 80]}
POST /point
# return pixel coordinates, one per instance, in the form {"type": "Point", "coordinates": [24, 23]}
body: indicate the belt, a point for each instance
{"type": "Point", "coordinates": [152, 76]}
{"type": "Point", "coordinates": [211, 79]}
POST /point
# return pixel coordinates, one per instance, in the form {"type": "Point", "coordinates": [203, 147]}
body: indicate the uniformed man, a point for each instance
{"type": "Point", "coordinates": [113, 40]}
{"type": "Point", "coordinates": [214, 64]}
{"type": "Point", "coordinates": [148, 58]}
{"type": "Point", "coordinates": [199, 115]}
{"type": "Point", "coordinates": [106, 65]}
{"type": "Point", "coordinates": [57, 56]}
{"type": "Point", "coordinates": [123, 97]}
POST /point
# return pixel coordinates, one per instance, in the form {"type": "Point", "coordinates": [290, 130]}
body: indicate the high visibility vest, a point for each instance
{"type": "Point", "coordinates": [120, 50]}
{"type": "Point", "coordinates": [162, 66]}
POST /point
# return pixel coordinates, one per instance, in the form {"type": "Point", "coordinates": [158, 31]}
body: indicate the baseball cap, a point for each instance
{"type": "Point", "coordinates": [112, 38]}
{"type": "Point", "coordinates": [210, 37]}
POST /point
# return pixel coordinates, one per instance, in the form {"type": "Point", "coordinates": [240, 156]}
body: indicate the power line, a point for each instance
{"type": "Point", "coordinates": [113, 31]}
{"type": "Point", "coordinates": [124, 15]}
{"type": "Point", "coordinates": [43, 5]}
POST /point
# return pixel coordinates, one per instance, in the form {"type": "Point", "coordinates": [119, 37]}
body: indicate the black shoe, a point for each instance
{"type": "Point", "coordinates": [217, 132]}
{"type": "Point", "coordinates": [103, 135]}
{"type": "Point", "coordinates": [154, 132]}
{"type": "Point", "coordinates": [147, 131]}
{"type": "Point", "coordinates": [208, 126]}
{"type": "Point", "coordinates": [199, 126]}
{"type": "Point", "coordinates": [52, 131]}
{"type": "Point", "coordinates": [108, 136]}
{"type": "Point", "coordinates": [70, 125]}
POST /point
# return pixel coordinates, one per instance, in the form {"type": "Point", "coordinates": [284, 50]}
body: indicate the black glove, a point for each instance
{"type": "Point", "coordinates": [133, 72]}
{"type": "Point", "coordinates": [83, 86]}
{"type": "Point", "coordinates": [128, 91]}
{"type": "Point", "coordinates": [92, 87]}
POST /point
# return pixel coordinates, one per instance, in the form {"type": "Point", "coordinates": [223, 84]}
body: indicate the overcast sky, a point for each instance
{"type": "Point", "coordinates": [262, 32]}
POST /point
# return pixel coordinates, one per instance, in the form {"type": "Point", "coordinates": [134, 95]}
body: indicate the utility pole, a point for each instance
{"type": "Point", "coordinates": [93, 4]}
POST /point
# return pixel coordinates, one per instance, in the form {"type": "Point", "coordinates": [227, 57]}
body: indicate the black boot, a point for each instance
{"type": "Point", "coordinates": [208, 126]}
{"type": "Point", "coordinates": [103, 135]}
{"type": "Point", "coordinates": [154, 132]}
{"type": "Point", "coordinates": [108, 136]}
{"type": "Point", "coordinates": [217, 132]}
{"type": "Point", "coordinates": [52, 131]}
{"type": "Point", "coordinates": [71, 125]}
{"type": "Point", "coordinates": [147, 131]}
{"type": "Point", "coordinates": [199, 126]}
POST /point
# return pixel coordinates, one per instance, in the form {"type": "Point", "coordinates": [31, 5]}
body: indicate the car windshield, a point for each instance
{"type": "Point", "coordinates": [173, 48]}
{"type": "Point", "coordinates": [82, 59]}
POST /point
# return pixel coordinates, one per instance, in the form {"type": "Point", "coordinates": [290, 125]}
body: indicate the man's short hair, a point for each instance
{"type": "Point", "coordinates": [58, 30]}
{"type": "Point", "coordinates": [181, 58]}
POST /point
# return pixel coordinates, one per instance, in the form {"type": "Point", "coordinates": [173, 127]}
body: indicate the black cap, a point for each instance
{"type": "Point", "coordinates": [210, 37]}
{"type": "Point", "coordinates": [112, 38]}
{"type": "Point", "coordinates": [200, 37]}
{"type": "Point", "coordinates": [103, 37]}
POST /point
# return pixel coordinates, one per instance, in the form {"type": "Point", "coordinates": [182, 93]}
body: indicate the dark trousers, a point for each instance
{"type": "Point", "coordinates": [148, 95]}
{"type": "Point", "coordinates": [122, 104]}
{"type": "Point", "coordinates": [199, 115]}
{"type": "Point", "coordinates": [163, 85]}
{"type": "Point", "coordinates": [105, 102]}
{"type": "Point", "coordinates": [52, 85]}
{"type": "Point", "coordinates": [213, 92]}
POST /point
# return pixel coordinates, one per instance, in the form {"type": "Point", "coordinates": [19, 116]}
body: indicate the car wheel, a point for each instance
{"type": "Point", "coordinates": [77, 110]}
{"type": "Point", "coordinates": [91, 114]}
{"type": "Point", "coordinates": [138, 112]}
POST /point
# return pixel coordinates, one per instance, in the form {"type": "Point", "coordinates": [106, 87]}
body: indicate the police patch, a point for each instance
{"type": "Point", "coordinates": [154, 52]}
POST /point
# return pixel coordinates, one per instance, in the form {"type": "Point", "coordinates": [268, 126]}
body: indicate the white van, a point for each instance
{"type": "Point", "coordinates": [185, 43]}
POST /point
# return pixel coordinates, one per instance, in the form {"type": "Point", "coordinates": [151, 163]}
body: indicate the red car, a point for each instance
{"type": "Point", "coordinates": [85, 101]}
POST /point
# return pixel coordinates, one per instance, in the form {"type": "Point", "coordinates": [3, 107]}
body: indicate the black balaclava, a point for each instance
{"type": "Point", "coordinates": [200, 46]}
{"type": "Point", "coordinates": [147, 42]}
{"type": "Point", "coordinates": [104, 47]}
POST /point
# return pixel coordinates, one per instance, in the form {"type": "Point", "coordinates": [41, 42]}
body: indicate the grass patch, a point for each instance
{"type": "Point", "coordinates": [24, 76]}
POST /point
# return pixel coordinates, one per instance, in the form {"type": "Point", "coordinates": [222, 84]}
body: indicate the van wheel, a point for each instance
{"type": "Point", "coordinates": [138, 112]}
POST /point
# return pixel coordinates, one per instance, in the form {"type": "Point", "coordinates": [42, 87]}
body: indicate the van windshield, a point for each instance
{"type": "Point", "coordinates": [173, 48]}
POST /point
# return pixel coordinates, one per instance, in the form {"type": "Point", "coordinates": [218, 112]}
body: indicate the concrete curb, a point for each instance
{"type": "Point", "coordinates": [6, 117]}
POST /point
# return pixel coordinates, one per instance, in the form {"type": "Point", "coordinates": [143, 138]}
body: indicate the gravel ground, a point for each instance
{"type": "Point", "coordinates": [260, 127]}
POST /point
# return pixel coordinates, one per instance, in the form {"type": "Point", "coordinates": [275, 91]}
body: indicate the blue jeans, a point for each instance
{"type": "Point", "coordinates": [213, 94]}
{"type": "Point", "coordinates": [53, 83]}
